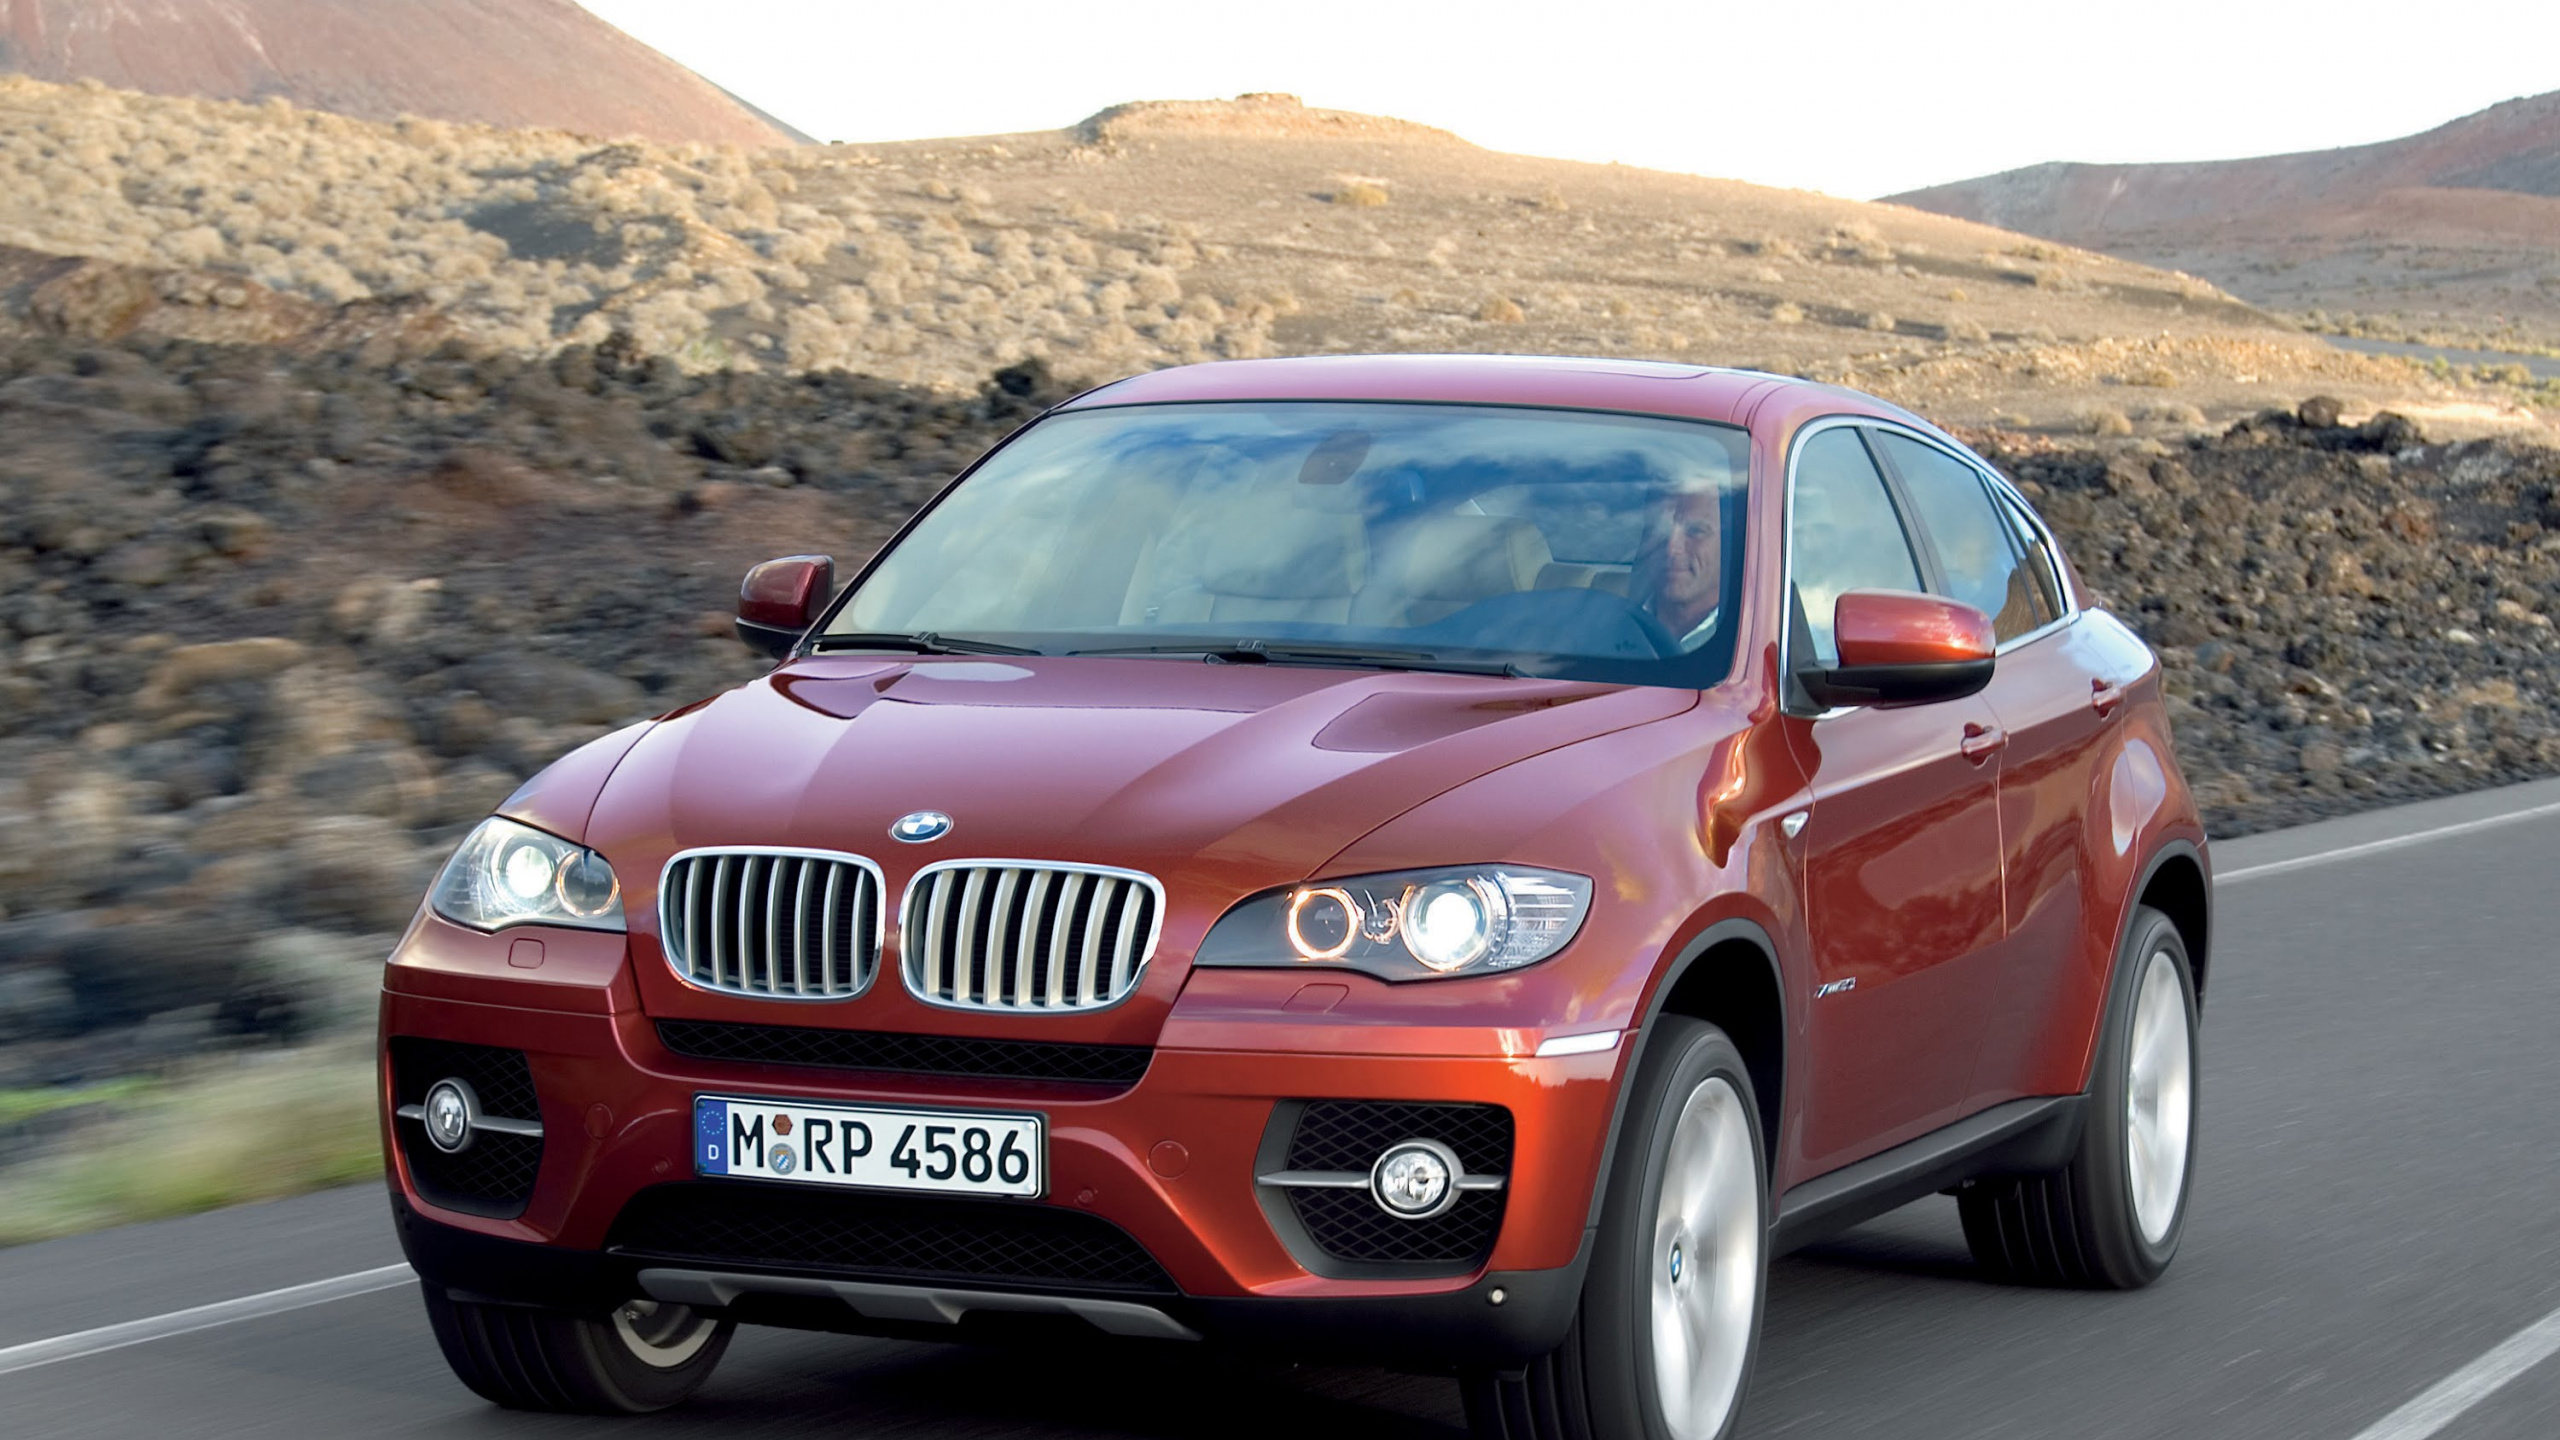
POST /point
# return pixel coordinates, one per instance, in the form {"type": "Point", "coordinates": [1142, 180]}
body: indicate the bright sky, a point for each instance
{"type": "Point", "coordinates": [1857, 97]}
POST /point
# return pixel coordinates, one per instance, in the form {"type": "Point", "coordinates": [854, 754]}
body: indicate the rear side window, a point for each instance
{"type": "Point", "coordinates": [2042, 573]}
{"type": "Point", "coordinates": [1979, 555]}
{"type": "Point", "coordinates": [1844, 533]}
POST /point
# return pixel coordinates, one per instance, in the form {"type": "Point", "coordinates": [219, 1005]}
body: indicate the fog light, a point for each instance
{"type": "Point", "coordinates": [1415, 1179]}
{"type": "Point", "coordinates": [450, 1109]}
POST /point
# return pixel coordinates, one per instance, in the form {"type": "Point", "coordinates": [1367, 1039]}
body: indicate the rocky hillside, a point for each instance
{"type": "Point", "coordinates": [1150, 235]}
{"type": "Point", "coordinates": [2451, 225]}
{"type": "Point", "coordinates": [277, 624]}
{"type": "Point", "coordinates": [494, 62]}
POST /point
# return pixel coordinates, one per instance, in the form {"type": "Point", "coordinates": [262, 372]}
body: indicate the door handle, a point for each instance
{"type": "Point", "coordinates": [1981, 742]}
{"type": "Point", "coordinates": [2105, 695]}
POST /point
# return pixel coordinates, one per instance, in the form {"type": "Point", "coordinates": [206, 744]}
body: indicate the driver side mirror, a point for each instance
{"type": "Point", "coordinates": [780, 599]}
{"type": "Point", "coordinates": [1900, 648]}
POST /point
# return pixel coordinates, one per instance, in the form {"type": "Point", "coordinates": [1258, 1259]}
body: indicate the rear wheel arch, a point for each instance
{"type": "Point", "coordinates": [2174, 884]}
{"type": "Point", "coordinates": [1728, 977]}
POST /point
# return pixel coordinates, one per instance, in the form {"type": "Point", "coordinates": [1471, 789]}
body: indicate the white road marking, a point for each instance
{"type": "Point", "coordinates": [2441, 1402]}
{"type": "Point", "coordinates": [2376, 847]}
{"type": "Point", "coordinates": [203, 1317]}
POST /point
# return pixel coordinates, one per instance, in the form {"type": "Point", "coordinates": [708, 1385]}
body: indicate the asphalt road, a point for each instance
{"type": "Point", "coordinates": [2377, 1206]}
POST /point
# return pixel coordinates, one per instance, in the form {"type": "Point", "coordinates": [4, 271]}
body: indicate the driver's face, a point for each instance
{"type": "Point", "coordinates": [1693, 558]}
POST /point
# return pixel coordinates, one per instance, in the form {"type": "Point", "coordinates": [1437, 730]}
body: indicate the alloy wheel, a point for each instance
{"type": "Point", "coordinates": [1706, 1261]}
{"type": "Point", "coordinates": [2159, 1098]}
{"type": "Point", "coordinates": [661, 1335]}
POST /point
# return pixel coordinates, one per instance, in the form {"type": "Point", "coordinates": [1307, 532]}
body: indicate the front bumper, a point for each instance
{"type": "Point", "coordinates": [1170, 1160]}
{"type": "Point", "coordinates": [1446, 1329]}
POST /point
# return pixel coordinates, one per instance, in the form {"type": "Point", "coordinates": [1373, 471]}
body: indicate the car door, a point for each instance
{"type": "Point", "coordinates": [2056, 692]}
{"type": "Point", "coordinates": [1900, 847]}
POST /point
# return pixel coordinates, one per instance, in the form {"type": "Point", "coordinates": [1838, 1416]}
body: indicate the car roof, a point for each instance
{"type": "Point", "coordinates": [1646, 387]}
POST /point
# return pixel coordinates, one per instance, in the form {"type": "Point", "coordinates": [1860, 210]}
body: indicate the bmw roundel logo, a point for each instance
{"type": "Point", "coordinates": [921, 826]}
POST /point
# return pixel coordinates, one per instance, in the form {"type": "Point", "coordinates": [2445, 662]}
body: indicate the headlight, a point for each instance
{"type": "Point", "coordinates": [510, 874]}
{"type": "Point", "coordinates": [1411, 925]}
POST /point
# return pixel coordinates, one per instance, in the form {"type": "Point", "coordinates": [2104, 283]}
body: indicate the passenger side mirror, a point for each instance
{"type": "Point", "coordinates": [780, 599]}
{"type": "Point", "coordinates": [1899, 648]}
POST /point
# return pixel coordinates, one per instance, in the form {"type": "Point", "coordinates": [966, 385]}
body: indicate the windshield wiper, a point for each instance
{"type": "Point", "coordinates": [923, 642]}
{"type": "Point", "coordinates": [1263, 652]}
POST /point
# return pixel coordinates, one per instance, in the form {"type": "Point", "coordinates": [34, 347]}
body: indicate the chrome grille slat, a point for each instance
{"type": "Point", "coordinates": [827, 927]}
{"type": "Point", "coordinates": [1002, 922]}
{"type": "Point", "coordinates": [934, 954]}
{"type": "Point", "coordinates": [1124, 942]}
{"type": "Point", "coordinates": [746, 904]}
{"type": "Point", "coordinates": [1021, 935]}
{"type": "Point", "coordinates": [738, 921]}
{"type": "Point", "coordinates": [1068, 894]}
{"type": "Point", "coordinates": [964, 955]}
{"type": "Point", "coordinates": [719, 902]}
{"type": "Point", "coordinates": [800, 929]}
{"type": "Point", "coordinates": [1027, 936]}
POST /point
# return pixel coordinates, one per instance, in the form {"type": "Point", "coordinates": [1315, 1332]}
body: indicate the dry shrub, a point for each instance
{"type": "Point", "coordinates": [2171, 412]}
{"type": "Point", "coordinates": [1501, 310]}
{"type": "Point", "coordinates": [2099, 420]}
{"type": "Point", "coordinates": [1359, 194]}
{"type": "Point", "coordinates": [1787, 312]}
{"type": "Point", "coordinates": [1877, 320]}
{"type": "Point", "coordinates": [1968, 332]}
{"type": "Point", "coordinates": [2154, 377]}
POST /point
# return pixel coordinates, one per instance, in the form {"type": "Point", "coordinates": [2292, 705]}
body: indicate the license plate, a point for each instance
{"type": "Point", "coordinates": [970, 1152]}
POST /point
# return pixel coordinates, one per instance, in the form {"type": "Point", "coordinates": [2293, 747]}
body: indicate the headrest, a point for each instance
{"type": "Point", "coordinates": [1269, 549]}
{"type": "Point", "coordinates": [1463, 557]}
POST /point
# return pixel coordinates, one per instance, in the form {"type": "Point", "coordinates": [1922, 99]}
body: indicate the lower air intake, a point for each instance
{"type": "Point", "coordinates": [993, 1243]}
{"type": "Point", "coordinates": [494, 1175]}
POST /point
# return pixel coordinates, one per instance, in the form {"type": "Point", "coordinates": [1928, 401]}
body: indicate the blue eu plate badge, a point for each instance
{"type": "Point", "coordinates": [710, 1137]}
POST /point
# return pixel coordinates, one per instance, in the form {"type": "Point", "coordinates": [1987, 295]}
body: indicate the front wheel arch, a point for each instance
{"type": "Point", "coordinates": [1728, 976]}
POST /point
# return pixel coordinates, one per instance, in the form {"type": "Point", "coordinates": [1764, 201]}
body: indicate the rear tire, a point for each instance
{"type": "Point", "coordinates": [2111, 1219]}
{"type": "Point", "coordinates": [1669, 1324]}
{"type": "Point", "coordinates": [641, 1357]}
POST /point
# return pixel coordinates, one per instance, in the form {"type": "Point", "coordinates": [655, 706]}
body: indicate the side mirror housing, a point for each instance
{"type": "Point", "coordinates": [1900, 648]}
{"type": "Point", "coordinates": [780, 599]}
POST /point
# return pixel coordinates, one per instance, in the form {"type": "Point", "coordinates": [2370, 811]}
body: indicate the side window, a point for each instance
{"type": "Point", "coordinates": [1977, 548]}
{"type": "Point", "coordinates": [1844, 533]}
{"type": "Point", "coordinates": [2043, 573]}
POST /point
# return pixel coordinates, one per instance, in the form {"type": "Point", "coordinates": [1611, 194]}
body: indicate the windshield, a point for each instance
{"type": "Point", "coordinates": [1549, 542]}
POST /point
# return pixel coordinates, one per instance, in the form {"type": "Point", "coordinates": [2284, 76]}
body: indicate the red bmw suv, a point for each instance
{"type": "Point", "coordinates": [1456, 859]}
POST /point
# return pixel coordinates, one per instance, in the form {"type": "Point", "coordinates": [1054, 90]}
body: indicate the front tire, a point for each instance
{"type": "Point", "coordinates": [2111, 1219]}
{"type": "Point", "coordinates": [1669, 1325]}
{"type": "Point", "coordinates": [643, 1356]}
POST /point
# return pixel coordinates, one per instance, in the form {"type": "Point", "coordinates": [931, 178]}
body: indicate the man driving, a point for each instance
{"type": "Point", "coordinates": [1680, 576]}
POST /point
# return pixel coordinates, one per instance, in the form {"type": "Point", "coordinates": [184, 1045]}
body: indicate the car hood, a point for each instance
{"type": "Point", "coordinates": [1255, 772]}
{"type": "Point", "coordinates": [1220, 780]}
